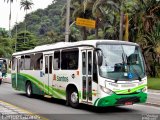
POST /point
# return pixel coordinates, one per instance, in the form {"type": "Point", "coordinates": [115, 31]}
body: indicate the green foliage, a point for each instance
{"type": "Point", "coordinates": [6, 47]}
{"type": "Point", "coordinates": [144, 17]}
{"type": "Point", "coordinates": [25, 41]}
{"type": "Point", "coordinates": [26, 4]}
{"type": "Point", "coordinates": [153, 83]}
{"type": "Point", "coordinates": [43, 21]}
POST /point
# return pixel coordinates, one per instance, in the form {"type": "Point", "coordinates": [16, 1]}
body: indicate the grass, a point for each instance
{"type": "Point", "coordinates": [154, 83]}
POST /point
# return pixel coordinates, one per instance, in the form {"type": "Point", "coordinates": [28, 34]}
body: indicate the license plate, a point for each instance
{"type": "Point", "coordinates": [128, 103]}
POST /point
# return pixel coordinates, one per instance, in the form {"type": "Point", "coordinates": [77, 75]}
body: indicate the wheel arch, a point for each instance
{"type": "Point", "coordinates": [28, 81]}
{"type": "Point", "coordinates": [69, 87]}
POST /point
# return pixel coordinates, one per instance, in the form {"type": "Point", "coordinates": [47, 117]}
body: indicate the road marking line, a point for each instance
{"type": "Point", "coordinates": [23, 110]}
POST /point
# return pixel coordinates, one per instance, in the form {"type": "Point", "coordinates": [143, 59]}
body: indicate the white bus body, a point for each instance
{"type": "Point", "coordinates": [95, 72]}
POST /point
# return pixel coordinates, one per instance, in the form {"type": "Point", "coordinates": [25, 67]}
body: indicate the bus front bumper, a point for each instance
{"type": "Point", "coordinates": [115, 100]}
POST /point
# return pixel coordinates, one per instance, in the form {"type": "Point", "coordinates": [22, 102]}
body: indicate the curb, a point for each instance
{"type": "Point", "coordinates": [20, 111]}
{"type": "Point", "coordinates": [153, 91]}
{"type": "Point", "coordinates": [4, 81]}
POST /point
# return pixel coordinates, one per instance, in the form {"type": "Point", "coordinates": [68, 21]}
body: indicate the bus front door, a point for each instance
{"type": "Point", "coordinates": [48, 73]}
{"type": "Point", "coordinates": [87, 75]}
{"type": "Point", "coordinates": [18, 61]}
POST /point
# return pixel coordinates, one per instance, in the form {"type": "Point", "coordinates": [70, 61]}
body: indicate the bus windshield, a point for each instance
{"type": "Point", "coordinates": [121, 62]}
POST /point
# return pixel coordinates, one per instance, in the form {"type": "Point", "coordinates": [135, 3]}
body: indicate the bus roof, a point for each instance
{"type": "Point", "coordinates": [60, 45]}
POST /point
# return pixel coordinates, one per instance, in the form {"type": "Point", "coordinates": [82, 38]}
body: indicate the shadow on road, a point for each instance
{"type": "Point", "coordinates": [84, 107]}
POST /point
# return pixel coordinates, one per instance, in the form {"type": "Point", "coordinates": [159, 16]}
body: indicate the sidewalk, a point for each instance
{"type": "Point", "coordinates": [9, 112]}
{"type": "Point", "coordinates": [153, 97]}
{"type": "Point", "coordinates": [7, 79]}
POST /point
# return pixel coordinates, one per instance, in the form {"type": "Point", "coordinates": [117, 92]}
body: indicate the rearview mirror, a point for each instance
{"type": "Point", "coordinates": [100, 56]}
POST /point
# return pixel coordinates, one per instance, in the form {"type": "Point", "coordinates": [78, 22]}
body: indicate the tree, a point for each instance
{"type": "Point", "coordinates": [6, 47]}
{"type": "Point", "coordinates": [26, 4]}
{"type": "Point", "coordinates": [3, 33]}
{"type": "Point", "coordinates": [79, 9]}
{"type": "Point", "coordinates": [150, 44]}
{"type": "Point", "coordinates": [105, 14]}
{"type": "Point", "coordinates": [25, 41]}
{"type": "Point", "coordinates": [10, 2]}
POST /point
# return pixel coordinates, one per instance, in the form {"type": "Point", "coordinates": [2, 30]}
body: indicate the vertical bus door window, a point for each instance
{"type": "Point", "coordinates": [89, 63]}
{"type": "Point", "coordinates": [84, 63]}
{"type": "Point", "coordinates": [90, 66]}
{"type": "Point", "coordinates": [46, 64]}
{"type": "Point", "coordinates": [84, 87]}
{"type": "Point", "coordinates": [84, 84]}
{"type": "Point", "coordinates": [50, 64]}
{"type": "Point", "coordinates": [18, 65]}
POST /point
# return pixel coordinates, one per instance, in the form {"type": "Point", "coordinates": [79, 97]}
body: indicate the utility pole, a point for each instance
{"type": "Point", "coordinates": [67, 32]}
{"type": "Point", "coordinates": [16, 38]}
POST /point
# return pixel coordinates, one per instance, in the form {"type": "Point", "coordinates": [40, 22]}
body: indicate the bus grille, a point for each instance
{"type": "Point", "coordinates": [128, 99]}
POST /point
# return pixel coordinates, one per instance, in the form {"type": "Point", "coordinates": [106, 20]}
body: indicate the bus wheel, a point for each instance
{"type": "Point", "coordinates": [73, 98]}
{"type": "Point", "coordinates": [29, 89]}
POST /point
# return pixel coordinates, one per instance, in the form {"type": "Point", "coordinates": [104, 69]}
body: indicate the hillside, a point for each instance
{"type": "Point", "coordinates": [44, 23]}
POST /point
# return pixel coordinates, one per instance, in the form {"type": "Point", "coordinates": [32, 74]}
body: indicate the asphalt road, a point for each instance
{"type": "Point", "coordinates": [154, 97]}
{"type": "Point", "coordinates": [54, 109]}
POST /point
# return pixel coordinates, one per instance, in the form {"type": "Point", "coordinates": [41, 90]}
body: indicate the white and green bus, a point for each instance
{"type": "Point", "coordinates": [94, 72]}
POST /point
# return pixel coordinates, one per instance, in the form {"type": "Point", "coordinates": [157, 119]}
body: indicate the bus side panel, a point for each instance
{"type": "Point", "coordinates": [37, 90]}
{"type": "Point", "coordinates": [21, 84]}
{"type": "Point", "coordinates": [13, 78]}
{"type": "Point", "coordinates": [37, 85]}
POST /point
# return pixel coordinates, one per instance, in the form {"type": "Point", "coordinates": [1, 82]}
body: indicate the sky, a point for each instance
{"type": "Point", "coordinates": [17, 13]}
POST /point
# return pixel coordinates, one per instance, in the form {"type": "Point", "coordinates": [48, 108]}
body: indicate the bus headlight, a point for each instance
{"type": "Point", "coordinates": [106, 90]}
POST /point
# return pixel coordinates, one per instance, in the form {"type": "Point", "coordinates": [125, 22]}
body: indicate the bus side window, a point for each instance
{"type": "Point", "coordinates": [38, 61]}
{"type": "Point", "coordinates": [28, 63]}
{"type": "Point", "coordinates": [56, 60]}
{"type": "Point", "coordinates": [69, 59]}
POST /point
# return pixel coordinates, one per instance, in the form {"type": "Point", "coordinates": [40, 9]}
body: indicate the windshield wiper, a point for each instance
{"type": "Point", "coordinates": [122, 68]}
{"type": "Point", "coordinates": [125, 61]}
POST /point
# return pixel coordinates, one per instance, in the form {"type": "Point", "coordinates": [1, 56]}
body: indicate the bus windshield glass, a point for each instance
{"type": "Point", "coordinates": [121, 62]}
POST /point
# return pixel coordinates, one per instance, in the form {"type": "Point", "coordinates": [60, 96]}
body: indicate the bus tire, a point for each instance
{"type": "Point", "coordinates": [29, 91]}
{"type": "Point", "coordinates": [0, 81]}
{"type": "Point", "coordinates": [73, 98]}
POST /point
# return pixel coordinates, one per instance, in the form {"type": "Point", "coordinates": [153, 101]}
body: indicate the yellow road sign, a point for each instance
{"type": "Point", "coordinates": [86, 22]}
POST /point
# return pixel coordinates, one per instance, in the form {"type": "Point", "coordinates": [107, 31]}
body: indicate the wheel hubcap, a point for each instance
{"type": "Point", "coordinates": [74, 97]}
{"type": "Point", "coordinates": [29, 90]}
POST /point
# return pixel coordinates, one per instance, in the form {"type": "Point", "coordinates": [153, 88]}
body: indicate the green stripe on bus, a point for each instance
{"type": "Point", "coordinates": [96, 101]}
{"type": "Point", "coordinates": [131, 90]}
{"type": "Point", "coordinates": [52, 91]}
